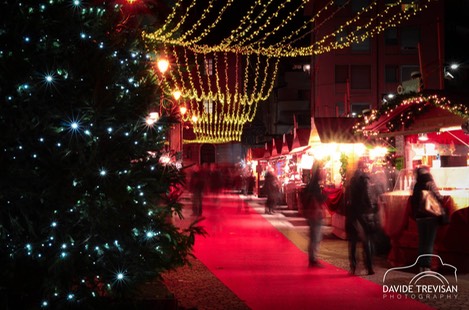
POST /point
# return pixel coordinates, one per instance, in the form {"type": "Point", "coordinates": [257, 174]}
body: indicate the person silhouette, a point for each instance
{"type": "Point", "coordinates": [197, 187]}
{"type": "Point", "coordinates": [272, 190]}
{"type": "Point", "coordinates": [427, 224]}
{"type": "Point", "coordinates": [313, 210]}
{"type": "Point", "coordinates": [361, 220]}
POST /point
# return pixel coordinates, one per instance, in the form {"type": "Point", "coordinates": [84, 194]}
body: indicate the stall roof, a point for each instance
{"type": "Point", "coordinates": [300, 149]}
{"type": "Point", "coordinates": [288, 142]}
{"type": "Point", "coordinates": [380, 125]}
{"type": "Point", "coordinates": [431, 119]}
{"type": "Point", "coordinates": [277, 146]}
{"type": "Point", "coordinates": [257, 152]}
{"type": "Point", "coordinates": [336, 129]}
{"type": "Point", "coordinates": [300, 137]}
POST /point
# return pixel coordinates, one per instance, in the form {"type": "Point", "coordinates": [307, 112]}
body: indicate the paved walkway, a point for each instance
{"type": "Point", "coordinates": [198, 288]}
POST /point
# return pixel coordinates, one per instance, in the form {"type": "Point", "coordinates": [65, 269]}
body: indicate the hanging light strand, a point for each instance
{"type": "Point", "coordinates": [246, 39]}
{"type": "Point", "coordinates": [221, 111]}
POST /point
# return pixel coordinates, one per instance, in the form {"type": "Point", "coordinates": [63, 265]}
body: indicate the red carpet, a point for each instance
{"type": "Point", "coordinates": [268, 271]}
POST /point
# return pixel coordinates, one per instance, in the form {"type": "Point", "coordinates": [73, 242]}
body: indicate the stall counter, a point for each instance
{"type": "Point", "coordinates": [451, 243]}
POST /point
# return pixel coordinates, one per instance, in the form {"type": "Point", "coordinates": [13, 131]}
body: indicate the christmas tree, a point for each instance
{"type": "Point", "coordinates": [85, 197]}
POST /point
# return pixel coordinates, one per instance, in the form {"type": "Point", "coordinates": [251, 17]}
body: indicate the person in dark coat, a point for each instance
{"type": "Point", "coordinates": [427, 224]}
{"type": "Point", "coordinates": [197, 187]}
{"type": "Point", "coordinates": [272, 191]}
{"type": "Point", "coordinates": [361, 218]}
{"type": "Point", "coordinates": [313, 210]}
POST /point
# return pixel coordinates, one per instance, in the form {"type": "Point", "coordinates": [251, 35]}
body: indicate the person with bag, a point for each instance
{"type": "Point", "coordinates": [314, 202]}
{"type": "Point", "coordinates": [427, 223]}
{"type": "Point", "coordinates": [361, 219]}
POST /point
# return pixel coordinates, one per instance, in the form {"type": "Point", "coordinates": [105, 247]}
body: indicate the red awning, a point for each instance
{"type": "Point", "coordinates": [380, 125]}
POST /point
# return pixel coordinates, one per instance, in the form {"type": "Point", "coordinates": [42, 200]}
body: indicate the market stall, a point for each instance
{"type": "Point", "coordinates": [427, 130]}
{"type": "Point", "coordinates": [332, 141]}
{"type": "Point", "coordinates": [299, 166]}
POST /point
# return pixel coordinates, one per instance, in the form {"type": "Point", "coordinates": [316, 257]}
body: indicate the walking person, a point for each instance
{"type": "Point", "coordinates": [313, 200]}
{"type": "Point", "coordinates": [427, 224]}
{"type": "Point", "coordinates": [197, 187]}
{"type": "Point", "coordinates": [361, 218]}
{"type": "Point", "coordinates": [272, 190]}
{"type": "Point", "coordinates": [216, 182]}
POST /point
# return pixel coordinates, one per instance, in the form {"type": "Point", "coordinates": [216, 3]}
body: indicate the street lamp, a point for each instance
{"type": "Point", "coordinates": [152, 118]}
{"type": "Point", "coordinates": [177, 94]}
{"type": "Point", "coordinates": [163, 65]}
{"type": "Point", "coordinates": [182, 110]}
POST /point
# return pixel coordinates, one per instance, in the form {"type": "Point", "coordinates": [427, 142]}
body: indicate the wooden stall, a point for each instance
{"type": "Point", "coordinates": [431, 130]}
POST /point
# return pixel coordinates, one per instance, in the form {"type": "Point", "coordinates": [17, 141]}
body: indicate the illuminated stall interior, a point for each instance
{"type": "Point", "coordinates": [432, 130]}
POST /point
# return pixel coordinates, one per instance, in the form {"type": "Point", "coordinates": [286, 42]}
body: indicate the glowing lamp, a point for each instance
{"type": "Point", "coordinates": [423, 137]}
{"type": "Point", "coordinates": [177, 94]}
{"type": "Point", "coordinates": [163, 65]}
{"type": "Point", "coordinates": [152, 118]}
{"type": "Point", "coordinates": [183, 110]}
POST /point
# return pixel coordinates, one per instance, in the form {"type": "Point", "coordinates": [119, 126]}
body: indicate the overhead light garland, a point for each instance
{"type": "Point", "coordinates": [221, 90]}
{"type": "Point", "coordinates": [183, 28]}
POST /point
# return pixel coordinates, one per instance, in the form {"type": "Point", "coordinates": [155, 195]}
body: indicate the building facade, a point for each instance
{"type": "Point", "coordinates": [348, 80]}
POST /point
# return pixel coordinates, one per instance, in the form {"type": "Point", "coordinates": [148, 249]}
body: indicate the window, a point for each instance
{"type": "Point", "coordinates": [208, 106]}
{"type": "Point", "coordinates": [304, 94]}
{"type": "Point", "coordinates": [406, 72]}
{"type": "Point", "coordinates": [362, 46]}
{"type": "Point", "coordinates": [341, 74]}
{"type": "Point", "coordinates": [358, 108]}
{"type": "Point", "coordinates": [359, 5]}
{"type": "Point", "coordinates": [340, 3]}
{"type": "Point", "coordinates": [340, 108]}
{"type": "Point", "coordinates": [390, 36]}
{"type": "Point", "coordinates": [361, 77]}
{"type": "Point", "coordinates": [410, 37]}
{"type": "Point", "coordinates": [341, 37]}
{"type": "Point", "coordinates": [208, 66]}
{"type": "Point", "coordinates": [391, 73]}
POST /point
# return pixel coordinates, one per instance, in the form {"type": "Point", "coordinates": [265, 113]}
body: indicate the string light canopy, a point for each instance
{"type": "Point", "coordinates": [221, 90]}
{"type": "Point", "coordinates": [275, 28]}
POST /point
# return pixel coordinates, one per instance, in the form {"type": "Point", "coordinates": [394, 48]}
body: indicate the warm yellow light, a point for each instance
{"type": "Point", "coordinates": [306, 161]}
{"type": "Point", "coordinates": [177, 94]}
{"type": "Point", "coordinates": [163, 65]}
{"type": "Point", "coordinates": [259, 30]}
{"type": "Point", "coordinates": [183, 110]}
{"type": "Point", "coordinates": [423, 137]}
{"type": "Point", "coordinates": [359, 149]}
{"type": "Point", "coordinates": [194, 119]}
{"type": "Point", "coordinates": [152, 118]}
{"type": "Point", "coordinates": [451, 128]}
{"type": "Point", "coordinates": [378, 152]}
